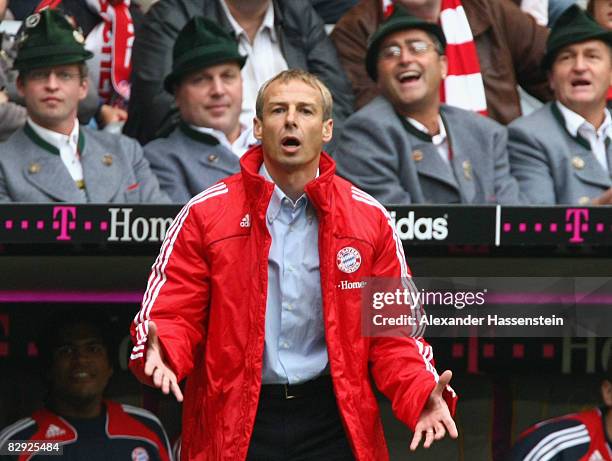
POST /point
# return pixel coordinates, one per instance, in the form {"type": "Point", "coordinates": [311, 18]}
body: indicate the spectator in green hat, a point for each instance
{"type": "Point", "coordinates": [52, 158]}
{"type": "Point", "coordinates": [405, 146]}
{"type": "Point", "coordinates": [207, 86]}
{"type": "Point", "coordinates": [562, 154]}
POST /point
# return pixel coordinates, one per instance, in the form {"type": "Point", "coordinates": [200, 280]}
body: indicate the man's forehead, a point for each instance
{"type": "Point", "coordinates": [78, 341]}
{"type": "Point", "coordinates": [218, 68]}
{"type": "Point", "coordinates": [79, 333]}
{"type": "Point", "coordinates": [59, 67]}
{"type": "Point", "coordinates": [586, 45]}
{"type": "Point", "coordinates": [405, 34]}
{"type": "Point", "coordinates": [293, 91]}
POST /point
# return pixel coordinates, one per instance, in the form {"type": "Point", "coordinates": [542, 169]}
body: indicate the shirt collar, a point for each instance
{"type": "Point", "coordinates": [436, 139]}
{"type": "Point", "coordinates": [574, 121]}
{"type": "Point", "coordinates": [267, 23]}
{"type": "Point", "coordinates": [53, 137]}
{"type": "Point", "coordinates": [278, 196]}
{"type": "Point", "coordinates": [239, 146]}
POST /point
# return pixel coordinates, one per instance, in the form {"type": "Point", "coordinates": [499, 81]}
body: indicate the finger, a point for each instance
{"type": "Point", "coordinates": [451, 427]}
{"type": "Point", "coordinates": [150, 364]}
{"type": "Point", "coordinates": [429, 438]}
{"type": "Point", "coordinates": [445, 378]}
{"type": "Point", "coordinates": [443, 381]}
{"type": "Point", "coordinates": [440, 432]}
{"type": "Point", "coordinates": [158, 375]}
{"type": "Point", "coordinates": [416, 439]}
{"type": "Point", "coordinates": [176, 390]}
{"type": "Point", "coordinates": [165, 387]}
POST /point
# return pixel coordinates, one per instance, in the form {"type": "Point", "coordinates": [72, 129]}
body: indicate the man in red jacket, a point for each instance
{"type": "Point", "coordinates": [256, 298]}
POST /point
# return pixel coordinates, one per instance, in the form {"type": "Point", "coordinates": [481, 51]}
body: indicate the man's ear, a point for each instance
{"type": "Point", "coordinates": [84, 88]}
{"type": "Point", "coordinates": [328, 130]}
{"type": "Point", "coordinates": [550, 81]}
{"type": "Point", "coordinates": [443, 66]}
{"type": "Point", "coordinates": [19, 84]}
{"type": "Point", "coordinates": [606, 393]}
{"type": "Point", "coordinates": [257, 128]}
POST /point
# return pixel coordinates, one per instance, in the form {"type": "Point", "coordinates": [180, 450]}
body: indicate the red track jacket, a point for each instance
{"type": "Point", "coordinates": [207, 295]}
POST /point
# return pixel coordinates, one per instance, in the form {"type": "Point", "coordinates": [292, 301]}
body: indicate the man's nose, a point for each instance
{"type": "Point", "coordinates": [406, 56]}
{"type": "Point", "coordinates": [290, 117]}
{"type": "Point", "coordinates": [580, 63]}
{"type": "Point", "coordinates": [218, 87]}
{"type": "Point", "coordinates": [52, 81]}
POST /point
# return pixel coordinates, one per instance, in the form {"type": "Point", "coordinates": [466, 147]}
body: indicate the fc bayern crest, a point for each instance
{"type": "Point", "coordinates": [140, 454]}
{"type": "Point", "coordinates": [348, 260]}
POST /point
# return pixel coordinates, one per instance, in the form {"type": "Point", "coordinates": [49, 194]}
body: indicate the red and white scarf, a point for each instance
{"type": "Point", "coordinates": [111, 43]}
{"type": "Point", "coordinates": [463, 86]}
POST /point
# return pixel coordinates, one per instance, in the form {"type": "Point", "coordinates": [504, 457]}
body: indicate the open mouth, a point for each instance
{"type": "Point", "coordinates": [290, 142]}
{"type": "Point", "coordinates": [409, 76]}
{"type": "Point", "coordinates": [580, 82]}
{"type": "Point", "coordinates": [78, 375]}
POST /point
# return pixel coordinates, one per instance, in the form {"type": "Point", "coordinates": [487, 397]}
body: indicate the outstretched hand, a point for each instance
{"type": "Point", "coordinates": [435, 419]}
{"type": "Point", "coordinates": [163, 377]}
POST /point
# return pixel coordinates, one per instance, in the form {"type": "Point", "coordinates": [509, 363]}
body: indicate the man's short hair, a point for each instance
{"type": "Point", "coordinates": [50, 337]}
{"type": "Point", "coordinates": [309, 79]}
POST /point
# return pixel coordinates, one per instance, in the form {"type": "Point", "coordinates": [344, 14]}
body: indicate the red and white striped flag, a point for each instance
{"type": "Point", "coordinates": [463, 87]}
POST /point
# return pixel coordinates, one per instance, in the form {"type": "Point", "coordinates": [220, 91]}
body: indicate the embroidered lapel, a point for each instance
{"type": "Point", "coordinates": [582, 159]}
{"type": "Point", "coordinates": [430, 163]}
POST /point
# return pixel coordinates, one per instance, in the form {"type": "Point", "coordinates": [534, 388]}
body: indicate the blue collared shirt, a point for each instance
{"type": "Point", "coordinates": [295, 350]}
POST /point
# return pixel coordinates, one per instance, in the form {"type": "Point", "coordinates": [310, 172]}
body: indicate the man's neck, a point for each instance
{"type": "Point", "coordinates": [594, 114]}
{"type": "Point", "coordinates": [292, 183]}
{"type": "Point", "coordinates": [430, 11]}
{"type": "Point", "coordinates": [233, 135]}
{"type": "Point", "coordinates": [78, 410]}
{"type": "Point", "coordinates": [428, 116]}
{"type": "Point", "coordinates": [249, 14]}
{"type": "Point", "coordinates": [65, 127]}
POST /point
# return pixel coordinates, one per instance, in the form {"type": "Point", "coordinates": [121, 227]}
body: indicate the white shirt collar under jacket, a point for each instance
{"type": "Point", "coordinates": [67, 146]}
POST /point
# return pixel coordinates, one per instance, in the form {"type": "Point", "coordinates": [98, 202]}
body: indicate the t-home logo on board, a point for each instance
{"type": "Point", "coordinates": [125, 229]}
{"type": "Point", "coordinates": [411, 228]}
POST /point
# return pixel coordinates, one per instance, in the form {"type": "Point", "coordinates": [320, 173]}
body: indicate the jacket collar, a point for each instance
{"type": "Point", "coordinates": [259, 190]}
{"type": "Point", "coordinates": [46, 144]}
{"type": "Point", "coordinates": [558, 115]}
{"type": "Point", "coordinates": [215, 10]}
{"type": "Point", "coordinates": [198, 136]}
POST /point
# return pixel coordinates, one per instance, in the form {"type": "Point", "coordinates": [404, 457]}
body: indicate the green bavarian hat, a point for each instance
{"type": "Point", "coordinates": [574, 26]}
{"type": "Point", "coordinates": [201, 43]}
{"type": "Point", "coordinates": [49, 39]}
{"type": "Point", "coordinates": [400, 19]}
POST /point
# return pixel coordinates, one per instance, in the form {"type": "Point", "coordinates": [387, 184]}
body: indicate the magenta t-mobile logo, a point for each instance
{"type": "Point", "coordinates": [66, 222]}
{"type": "Point", "coordinates": [577, 222]}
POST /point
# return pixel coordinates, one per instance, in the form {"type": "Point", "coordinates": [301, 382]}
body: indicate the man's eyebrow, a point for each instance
{"type": "Point", "coordinates": [81, 341]}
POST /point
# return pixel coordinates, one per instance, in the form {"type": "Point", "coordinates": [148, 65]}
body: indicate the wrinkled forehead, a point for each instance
{"type": "Point", "coordinates": [292, 92]}
{"type": "Point", "coordinates": [585, 46]}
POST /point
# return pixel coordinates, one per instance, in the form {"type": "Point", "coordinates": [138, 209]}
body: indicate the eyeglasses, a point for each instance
{"type": "Point", "coordinates": [42, 75]}
{"type": "Point", "coordinates": [415, 48]}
